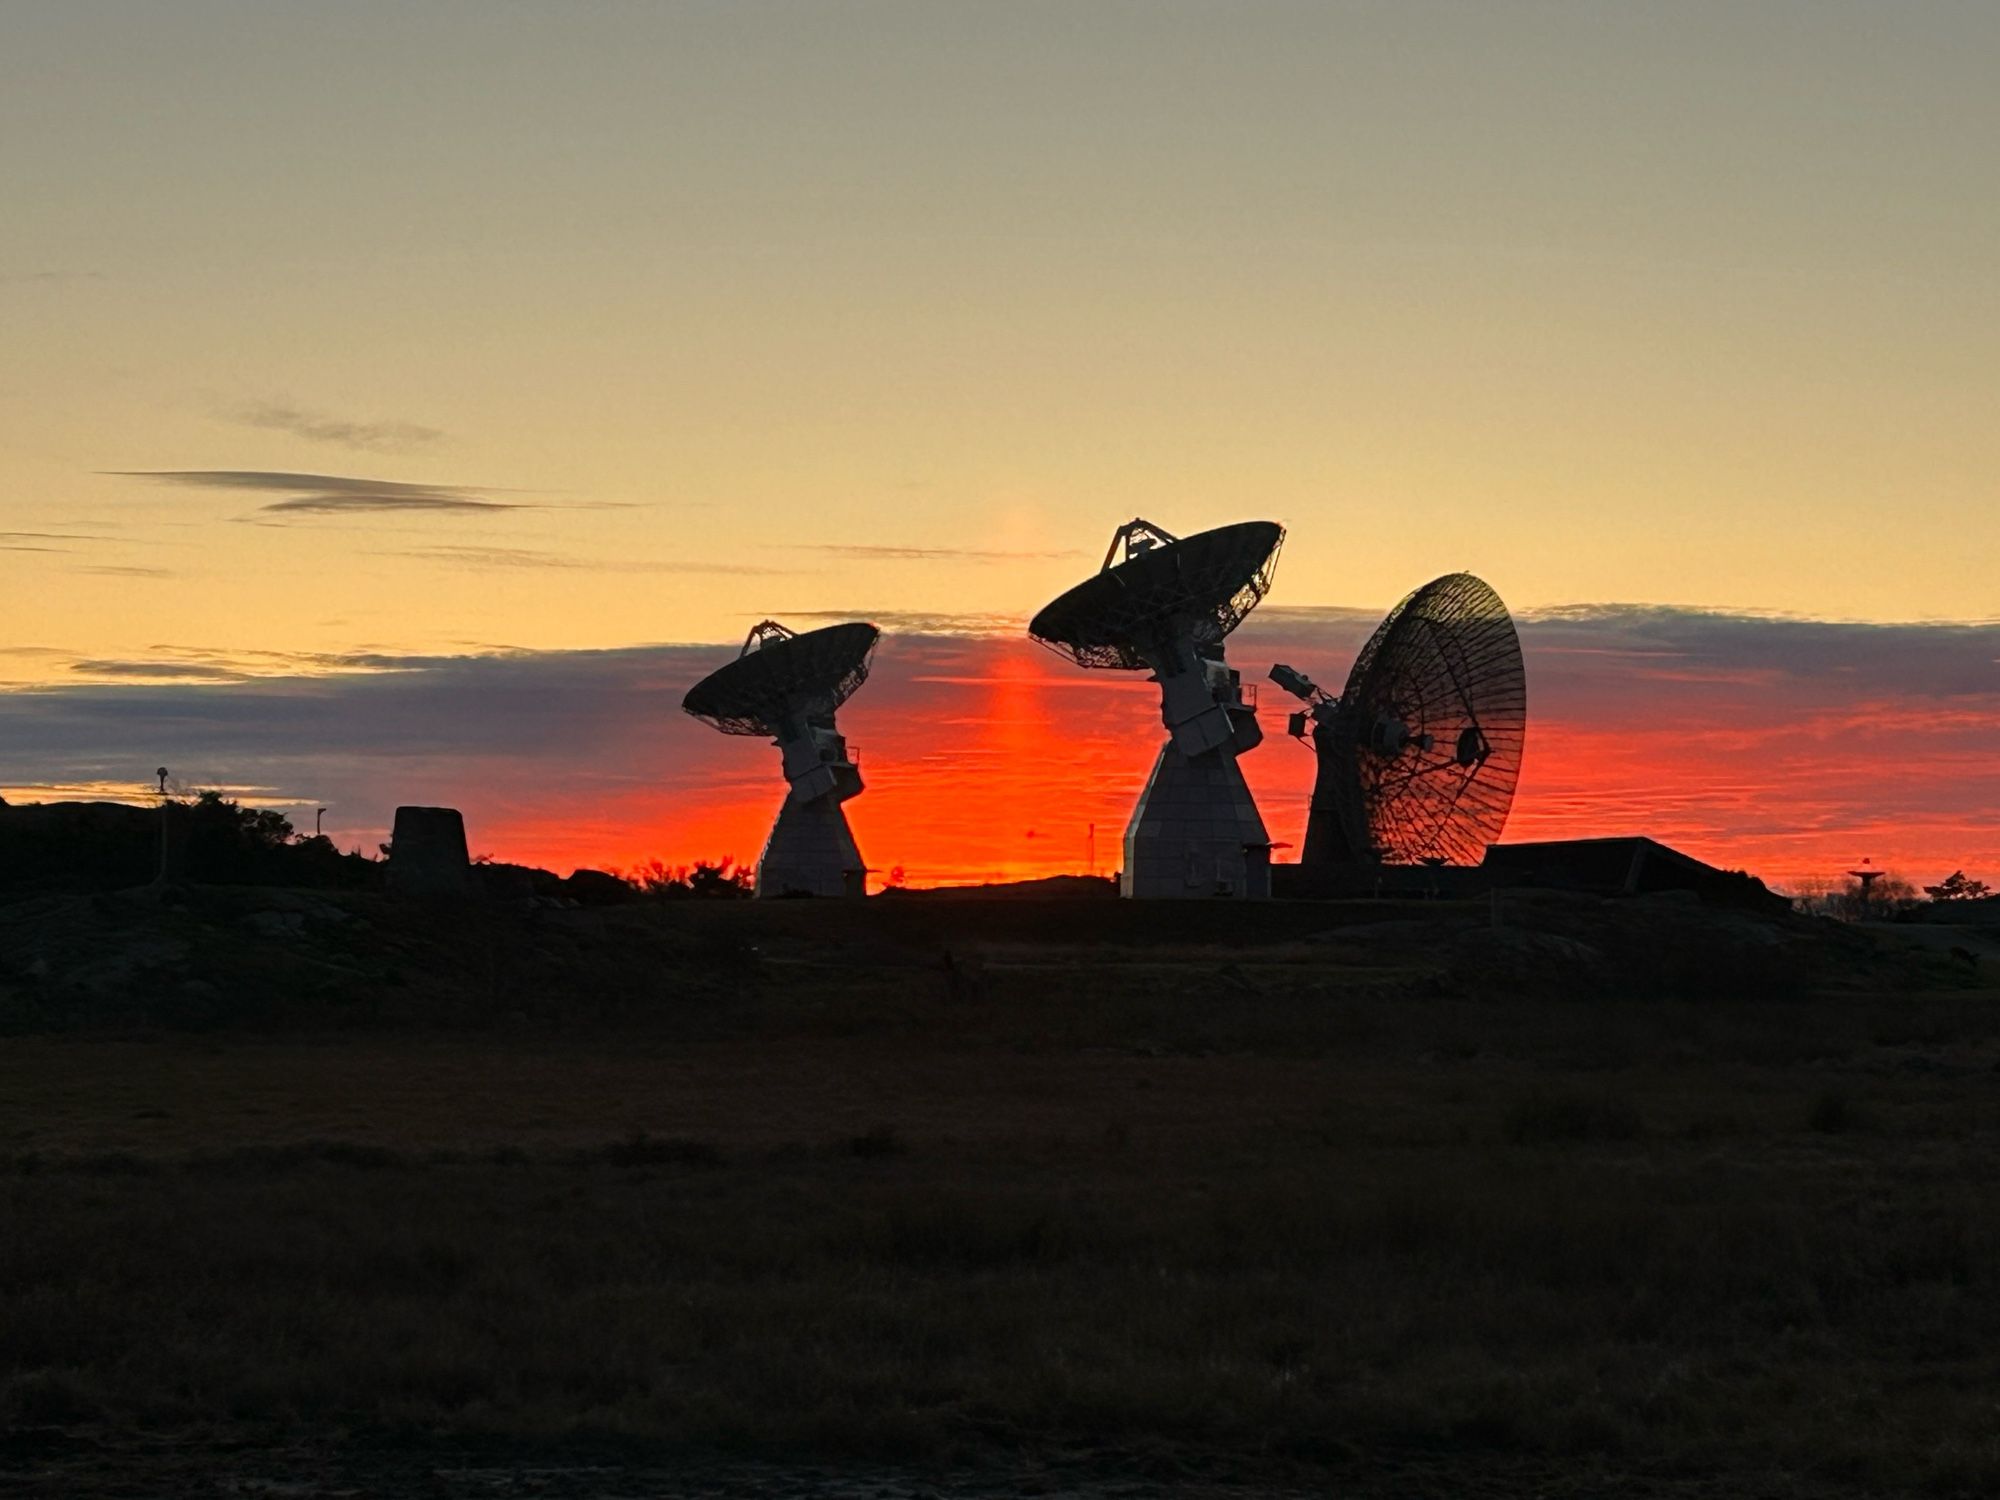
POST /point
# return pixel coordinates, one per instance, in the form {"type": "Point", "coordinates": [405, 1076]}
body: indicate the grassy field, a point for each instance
{"type": "Point", "coordinates": [1290, 1211]}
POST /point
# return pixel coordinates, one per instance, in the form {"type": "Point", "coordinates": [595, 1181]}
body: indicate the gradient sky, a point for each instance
{"type": "Point", "coordinates": [337, 335]}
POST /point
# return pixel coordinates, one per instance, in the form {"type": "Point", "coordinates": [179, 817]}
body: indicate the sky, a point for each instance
{"type": "Point", "coordinates": [357, 359]}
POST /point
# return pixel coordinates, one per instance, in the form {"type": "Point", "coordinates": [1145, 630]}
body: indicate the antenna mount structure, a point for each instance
{"type": "Point", "coordinates": [787, 686]}
{"type": "Point", "coordinates": [1164, 604]}
{"type": "Point", "coordinates": [1419, 754]}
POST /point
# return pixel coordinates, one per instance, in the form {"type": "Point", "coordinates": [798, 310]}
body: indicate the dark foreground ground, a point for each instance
{"type": "Point", "coordinates": [311, 1196]}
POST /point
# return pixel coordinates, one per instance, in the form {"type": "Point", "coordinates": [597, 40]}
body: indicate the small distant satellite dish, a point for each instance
{"type": "Point", "coordinates": [1165, 604]}
{"type": "Point", "coordinates": [787, 686]}
{"type": "Point", "coordinates": [1420, 753]}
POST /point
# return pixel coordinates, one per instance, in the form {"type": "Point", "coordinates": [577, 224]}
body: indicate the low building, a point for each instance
{"type": "Point", "coordinates": [1628, 866]}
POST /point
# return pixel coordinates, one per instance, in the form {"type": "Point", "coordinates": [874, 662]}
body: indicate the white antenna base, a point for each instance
{"type": "Point", "coordinates": [811, 852]}
{"type": "Point", "coordinates": [1196, 833]}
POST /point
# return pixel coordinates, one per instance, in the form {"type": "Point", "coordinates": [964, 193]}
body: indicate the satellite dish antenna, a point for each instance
{"type": "Point", "coordinates": [787, 686]}
{"type": "Point", "coordinates": [1420, 753]}
{"type": "Point", "coordinates": [1164, 604]}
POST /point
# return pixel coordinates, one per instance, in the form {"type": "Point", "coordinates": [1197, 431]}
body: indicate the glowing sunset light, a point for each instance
{"type": "Point", "coordinates": [969, 743]}
{"type": "Point", "coordinates": [1788, 747]}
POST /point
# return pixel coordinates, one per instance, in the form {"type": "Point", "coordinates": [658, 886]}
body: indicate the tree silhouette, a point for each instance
{"type": "Point", "coordinates": [225, 843]}
{"type": "Point", "coordinates": [1955, 887]}
{"type": "Point", "coordinates": [251, 827]}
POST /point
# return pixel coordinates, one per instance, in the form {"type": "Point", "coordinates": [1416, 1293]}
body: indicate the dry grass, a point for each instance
{"type": "Point", "coordinates": [1250, 1211]}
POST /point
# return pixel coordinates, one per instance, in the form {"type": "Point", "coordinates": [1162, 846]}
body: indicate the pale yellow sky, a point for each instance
{"type": "Point", "coordinates": [1687, 304]}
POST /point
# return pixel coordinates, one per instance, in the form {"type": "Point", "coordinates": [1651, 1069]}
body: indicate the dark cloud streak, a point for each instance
{"type": "Point", "coordinates": [35, 541]}
{"type": "Point", "coordinates": [157, 671]}
{"type": "Point", "coordinates": [333, 494]}
{"type": "Point", "coordinates": [1656, 643]}
{"type": "Point", "coordinates": [1923, 658]}
{"type": "Point", "coordinates": [341, 432]}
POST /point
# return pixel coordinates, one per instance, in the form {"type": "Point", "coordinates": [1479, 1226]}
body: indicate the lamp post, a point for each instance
{"type": "Point", "coordinates": [166, 869]}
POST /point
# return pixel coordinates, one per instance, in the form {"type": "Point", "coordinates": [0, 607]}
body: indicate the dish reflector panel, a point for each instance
{"type": "Point", "coordinates": [1430, 729]}
{"type": "Point", "coordinates": [780, 674]}
{"type": "Point", "coordinates": [1165, 589]}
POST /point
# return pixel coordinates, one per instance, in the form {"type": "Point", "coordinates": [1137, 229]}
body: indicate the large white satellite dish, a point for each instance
{"type": "Point", "coordinates": [1164, 604]}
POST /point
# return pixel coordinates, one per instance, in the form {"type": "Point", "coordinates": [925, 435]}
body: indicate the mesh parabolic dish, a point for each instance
{"type": "Point", "coordinates": [1443, 673]}
{"type": "Point", "coordinates": [1201, 585]}
{"type": "Point", "coordinates": [810, 674]}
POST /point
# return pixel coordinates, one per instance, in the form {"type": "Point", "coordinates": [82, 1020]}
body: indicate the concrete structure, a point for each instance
{"type": "Point", "coordinates": [1196, 831]}
{"type": "Point", "coordinates": [427, 853]}
{"type": "Point", "coordinates": [811, 851]}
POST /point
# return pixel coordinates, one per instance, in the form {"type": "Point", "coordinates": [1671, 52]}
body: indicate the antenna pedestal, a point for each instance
{"type": "Point", "coordinates": [811, 852]}
{"type": "Point", "coordinates": [1327, 820]}
{"type": "Point", "coordinates": [1196, 832]}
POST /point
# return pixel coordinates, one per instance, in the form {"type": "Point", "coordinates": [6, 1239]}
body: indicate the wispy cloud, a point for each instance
{"type": "Point", "coordinates": [39, 541]}
{"type": "Point", "coordinates": [125, 570]}
{"type": "Point", "coordinates": [382, 436]}
{"type": "Point", "coordinates": [867, 553]}
{"type": "Point", "coordinates": [921, 622]}
{"type": "Point", "coordinates": [168, 664]}
{"type": "Point", "coordinates": [525, 557]}
{"type": "Point", "coordinates": [164, 670]}
{"type": "Point", "coordinates": [333, 494]}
